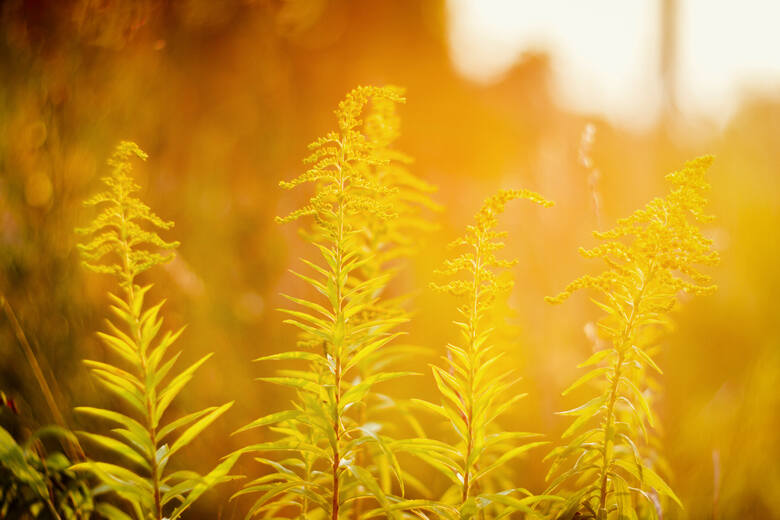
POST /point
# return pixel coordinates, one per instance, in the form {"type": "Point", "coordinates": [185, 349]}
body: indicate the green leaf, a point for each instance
{"type": "Point", "coordinates": [216, 476]}
{"type": "Point", "coordinates": [453, 399]}
{"type": "Point", "coordinates": [597, 357]}
{"type": "Point", "coordinates": [314, 283]}
{"type": "Point", "coordinates": [312, 306]}
{"type": "Point", "coordinates": [271, 419]}
{"type": "Point", "coordinates": [434, 408]}
{"type": "Point", "coordinates": [13, 458]}
{"type": "Point", "coordinates": [606, 308]}
{"type": "Point", "coordinates": [138, 300]}
{"type": "Point", "coordinates": [293, 355]}
{"type": "Point", "coordinates": [365, 478]}
{"type": "Point", "coordinates": [132, 398]}
{"type": "Point", "coordinates": [324, 335]}
{"type": "Point", "coordinates": [117, 447]}
{"type": "Point", "coordinates": [115, 375]}
{"type": "Point", "coordinates": [150, 326]}
{"type": "Point", "coordinates": [641, 399]}
{"type": "Point", "coordinates": [275, 490]}
{"type": "Point", "coordinates": [193, 431]}
{"type": "Point", "coordinates": [649, 477]}
{"type": "Point", "coordinates": [646, 358]}
{"type": "Point", "coordinates": [159, 351]}
{"type": "Point", "coordinates": [114, 475]}
{"type": "Point", "coordinates": [159, 374]}
{"type": "Point", "coordinates": [587, 377]}
{"type": "Point", "coordinates": [366, 350]}
{"type": "Point", "coordinates": [50, 430]}
{"type": "Point", "coordinates": [416, 506]}
{"type": "Point", "coordinates": [507, 456]}
{"type": "Point", "coordinates": [175, 386]}
{"type": "Point", "coordinates": [131, 424]}
{"type": "Point", "coordinates": [110, 512]}
{"type": "Point", "coordinates": [293, 382]}
{"type": "Point", "coordinates": [321, 324]}
{"type": "Point", "coordinates": [584, 413]}
{"type": "Point", "coordinates": [182, 421]}
{"type": "Point", "coordinates": [125, 349]}
{"type": "Point", "coordinates": [358, 391]}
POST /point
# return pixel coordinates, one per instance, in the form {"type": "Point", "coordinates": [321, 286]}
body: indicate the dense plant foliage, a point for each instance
{"type": "Point", "coordinates": [339, 449]}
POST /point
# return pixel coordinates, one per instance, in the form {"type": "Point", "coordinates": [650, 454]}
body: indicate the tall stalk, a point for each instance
{"type": "Point", "coordinates": [119, 246]}
{"type": "Point", "coordinates": [651, 257]}
{"type": "Point", "coordinates": [322, 430]}
{"type": "Point", "coordinates": [473, 389]}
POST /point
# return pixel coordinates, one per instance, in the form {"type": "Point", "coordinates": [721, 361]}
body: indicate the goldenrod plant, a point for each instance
{"type": "Point", "coordinates": [651, 257]}
{"type": "Point", "coordinates": [322, 433]}
{"type": "Point", "coordinates": [476, 389]}
{"type": "Point", "coordinates": [385, 243]}
{"type": "Point", "coordinates": [124, 243]}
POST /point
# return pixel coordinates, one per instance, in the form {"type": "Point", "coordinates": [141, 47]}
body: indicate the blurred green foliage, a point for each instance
{"type": "Point", "coordinates": [35, 483]}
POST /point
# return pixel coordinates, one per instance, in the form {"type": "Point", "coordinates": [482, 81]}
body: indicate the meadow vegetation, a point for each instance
{"type": "Point", "coordinates": [339, 447]}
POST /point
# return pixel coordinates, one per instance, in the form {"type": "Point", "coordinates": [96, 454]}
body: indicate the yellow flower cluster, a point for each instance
{"type": "Point", "coordinates": [658, 249]}
{"type": "Point", "coordinates": [480, 261]}
{"type": "Point", "coordinates": [340, 164]}
{"type": "Point", "coordinates": [118, 228]}
{"type": "Point", "coordinates": [409, 196]}
{"type": "Point", "coordinates": [651, 257]}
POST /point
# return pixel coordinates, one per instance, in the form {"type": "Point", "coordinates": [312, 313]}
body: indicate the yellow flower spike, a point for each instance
{"type": "Point", "coordinates": [651, 256]}
{"type": "Point", "coordinates": [476, 390]}
{"type": "Point", "coordinates": [483, 240]}
{"type": "Point", "coordinates": [356, 208]}
{"type": "Point", "coordinates": [118, 228]}
{"type": "Point", "coordinates": [147, 383]}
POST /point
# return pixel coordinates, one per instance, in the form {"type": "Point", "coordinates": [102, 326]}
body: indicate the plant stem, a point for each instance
{"type": "Point", "coordinates": [357, 508]}
{"type": "Point", "coordinates": [628, 332]}
{"type": "Point", "coordinates": [606, 459]}
{"type": "Point", "coordinates": [473, 322]}
{"type": "Point", "coordinates": [151, 412]}
{"type": "Point", "coordinates": [340, 325]}
{"type": "Point", "coordinates": [151, 408]}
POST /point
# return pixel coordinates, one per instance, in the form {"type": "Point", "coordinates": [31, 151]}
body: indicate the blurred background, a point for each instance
{"type": "Point", "coordinates": [224, 97]}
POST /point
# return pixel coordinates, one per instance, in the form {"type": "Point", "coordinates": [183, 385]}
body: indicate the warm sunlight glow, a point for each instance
{"type": "Point", "coordinates": [726, 48]}
{"type": "Point", "coordinates": [389, 259]}
{"type": "Point", "coordinates": [605, 52]}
